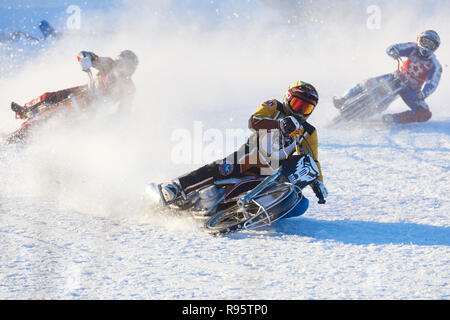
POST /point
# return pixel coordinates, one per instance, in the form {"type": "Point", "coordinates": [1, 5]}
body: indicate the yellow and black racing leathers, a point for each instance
{"type": "Point", "coordinates": [250, 158]}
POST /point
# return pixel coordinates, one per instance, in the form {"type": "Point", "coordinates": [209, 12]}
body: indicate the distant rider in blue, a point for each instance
{"type": "Point", "coordinates": [421, 72]}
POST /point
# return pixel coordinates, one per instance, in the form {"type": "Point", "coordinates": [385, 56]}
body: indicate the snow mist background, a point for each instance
{"type": "Point", "coordinates": [197, 68]}
{"type": "Point", "coordinates": [213, 63]}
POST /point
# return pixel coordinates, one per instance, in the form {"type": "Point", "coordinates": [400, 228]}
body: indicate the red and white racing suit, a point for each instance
{"type": "Point", "coordinates": [421, 76]}
{"type": "Point", "coordinates": [108, 82]}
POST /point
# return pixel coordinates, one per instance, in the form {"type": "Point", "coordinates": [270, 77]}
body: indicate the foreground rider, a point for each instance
{"type": "Point", "coordinates": [421, 72]}
{"type": "Point", "coordinates": [113, 82]}
{"type": "Point", "coordinates": [283, 117]}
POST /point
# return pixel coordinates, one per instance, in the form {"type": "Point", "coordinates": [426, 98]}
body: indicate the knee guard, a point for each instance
{"type": "Point", "coordinates": [420, 115]}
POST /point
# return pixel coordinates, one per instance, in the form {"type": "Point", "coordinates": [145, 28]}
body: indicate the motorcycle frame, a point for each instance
{"type": "Point", "coordinates": [392, 92]}
{"type": "Point", "coordinates": [267, 221]}
{"type": "Point", "coordinates": [389, 87]}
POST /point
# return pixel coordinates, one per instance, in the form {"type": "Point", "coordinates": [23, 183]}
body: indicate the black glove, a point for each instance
{"type": "Point", "coordinates": [288, 125]}
{"type": "Point", "coordinates": [286, 141]}
{"type": "Point", "coordinates": [320, 191]}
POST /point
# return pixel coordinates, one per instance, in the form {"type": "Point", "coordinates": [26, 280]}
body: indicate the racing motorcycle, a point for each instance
{"type": "Point", "coordinates": [35, 117]}
{"type": "Point", "coordinates": [246, 203]}
{"type": "Point", "coordinates": [375, 98]}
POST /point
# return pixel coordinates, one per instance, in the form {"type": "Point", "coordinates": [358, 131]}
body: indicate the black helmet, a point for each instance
{"type": "Point", "coordinates": [301, 99]}
{"type": "Point", "coordinates": [126, 63]}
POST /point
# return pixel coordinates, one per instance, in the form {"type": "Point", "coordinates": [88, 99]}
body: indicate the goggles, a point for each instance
{"type": "Point", "coordinates": [301, 106]}
{"type": "Point", "coordinates": [428, 43]}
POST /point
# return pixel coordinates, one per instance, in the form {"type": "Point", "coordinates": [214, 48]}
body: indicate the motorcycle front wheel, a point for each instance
{"type": "Point", "coordinates": [270, 206]}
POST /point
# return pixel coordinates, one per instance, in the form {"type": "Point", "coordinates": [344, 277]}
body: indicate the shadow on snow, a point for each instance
{"type": "Point", "coordinates": [367, 232]}
{"type": "Point", "coordinates": [433, 126]}
{"type": "Point", "coordinates": [360, 232]}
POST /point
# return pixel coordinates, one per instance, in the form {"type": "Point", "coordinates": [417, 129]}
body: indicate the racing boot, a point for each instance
{"type": "Point", "coordinates": [338, 103]}
{"type": "Point", "coordinates": [21, 111]}
{"type": "Point", "coordinates": [170, 191]}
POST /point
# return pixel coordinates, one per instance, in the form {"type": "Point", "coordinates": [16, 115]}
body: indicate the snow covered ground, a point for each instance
{"type": "Point", "coordinates": [72, 224]}
{"type": "Point", "coordinates": [384, 234]}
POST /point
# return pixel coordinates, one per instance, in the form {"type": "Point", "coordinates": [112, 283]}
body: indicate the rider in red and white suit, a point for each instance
{"type": "Point", "coordinates": [420, 71]}
{"type": "Point", "coordinates": [113, 82]}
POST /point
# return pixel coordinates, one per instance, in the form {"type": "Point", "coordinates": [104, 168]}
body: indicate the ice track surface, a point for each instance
{"type": "Point", "coordinates": [384, 234]}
